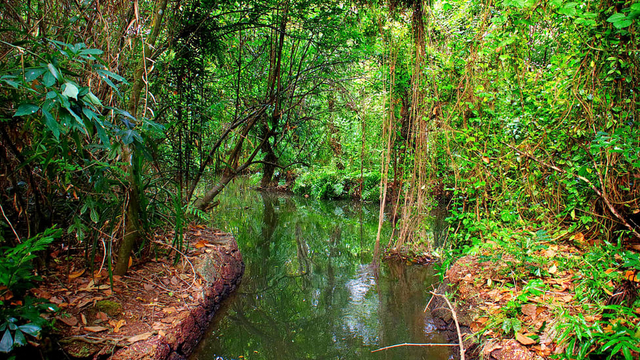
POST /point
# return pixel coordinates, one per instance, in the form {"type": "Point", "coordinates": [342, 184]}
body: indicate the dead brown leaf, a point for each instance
{"type": "Point", "coordinates": [148, 287]}
{"type": "Point", "coordinates": [84, 319]}
{"type": "Point", "coordinates": [524, 340]}
{"type": "Point", "coordinates": [69, 321]}
{"type": "Point", "coordinates": [76, 274]}
{"type": "Point", "coordinates": [476, 326]}
{"type": "Point", "coordinates": [530, 310]}
{"type": "Point", "coordinates": [95, 328]}
{"type": "Point", "coordinates": [117, 324]}
{"type": "Point", "coordinates": [567, 298]}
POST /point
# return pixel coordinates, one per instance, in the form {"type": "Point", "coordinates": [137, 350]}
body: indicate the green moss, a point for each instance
{"type": "Point", "coordinates": [111, 308]}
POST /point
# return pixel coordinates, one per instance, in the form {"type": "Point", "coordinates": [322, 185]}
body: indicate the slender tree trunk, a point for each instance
{"type": "Point", "coordinates": [132, 220]}
{"type": "Point", "coordinates": [274, 92]}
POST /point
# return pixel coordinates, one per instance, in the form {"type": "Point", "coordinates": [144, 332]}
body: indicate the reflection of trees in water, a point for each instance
{"type": "Point", "coordinates": [308, 291]}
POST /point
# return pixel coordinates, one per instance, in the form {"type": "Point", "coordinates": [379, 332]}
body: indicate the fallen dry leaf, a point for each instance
{"type": "Point", "coordinates": [69, 321]}
{"type": "Point", "coordinates": [530, 310]}
{"type": "Point", "coordinates": [567, 298]}
{"type": "Point", "coordinates": [76, 274]}
{"type": "Point", "coordinates": [89, 287]}
{"type": "Point", "coordinates": [553, 269]}
{"type": "Point", "coordinates": [84, 319]}
{"type": "Point", "coordinates": [95, 328]}
{"type": "Point", "coordinates": [117, 324]}
{"type": "Point", "coordinates": [524, 340]}
{"type": "Point", "coordinates": [148, 287]}
{"type": "Point", "coordinates": [476, 326]}
{"type": "Point", "coordinates": [140, 337]}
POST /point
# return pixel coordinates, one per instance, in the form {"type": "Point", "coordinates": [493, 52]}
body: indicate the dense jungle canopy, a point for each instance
{"type": "Point", "coordinates": [118, 118]}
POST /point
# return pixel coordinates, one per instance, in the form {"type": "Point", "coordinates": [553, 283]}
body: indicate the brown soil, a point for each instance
{"type": "Point", "coordinates": [156, 311]}
{"type": "Point", "coordinates": [483, 292]}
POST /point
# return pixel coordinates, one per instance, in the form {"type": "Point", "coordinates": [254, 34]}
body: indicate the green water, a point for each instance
{"type": "Point", "coordinates": [309, 291]}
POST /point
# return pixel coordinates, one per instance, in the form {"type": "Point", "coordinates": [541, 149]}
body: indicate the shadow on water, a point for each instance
{"type": "Point", "coordinates": [309, 291]}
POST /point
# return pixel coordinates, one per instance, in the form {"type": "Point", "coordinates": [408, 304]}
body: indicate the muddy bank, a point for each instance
{"type": "Point", "coordinates": [158, 311]}
{"type": "Point", "coordinates": [221, 270]}
{"type": "Point", "coordinates": [470, 280]}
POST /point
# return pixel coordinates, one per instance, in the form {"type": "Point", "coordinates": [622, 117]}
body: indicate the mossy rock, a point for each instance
{"type": "Point", "coordinates": [109, 307]}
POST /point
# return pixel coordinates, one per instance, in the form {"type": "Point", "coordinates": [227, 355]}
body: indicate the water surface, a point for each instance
{"type": "Point", "coordinates": [309, 291]}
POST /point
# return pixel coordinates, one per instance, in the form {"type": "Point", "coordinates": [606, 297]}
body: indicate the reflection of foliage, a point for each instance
{"type": "Point", "coordinates": [332, 308]}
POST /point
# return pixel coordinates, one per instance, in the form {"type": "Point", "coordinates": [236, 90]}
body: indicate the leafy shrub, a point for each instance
{"type": "Point", "coordinates": [20, 314]}
{"type": "Point", "coordinates": [329, 183]}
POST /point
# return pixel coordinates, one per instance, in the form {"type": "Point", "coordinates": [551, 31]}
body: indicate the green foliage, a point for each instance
{"type": "Point", "coordinates": [328, 183]}
{"type": "Point", "coordinates": [16, 263]}
{"type": "Point", "coordinates": [20, 314]}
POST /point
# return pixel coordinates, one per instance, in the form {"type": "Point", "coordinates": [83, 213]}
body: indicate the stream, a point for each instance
{"type": "Point", "coordinates": [309, 291]}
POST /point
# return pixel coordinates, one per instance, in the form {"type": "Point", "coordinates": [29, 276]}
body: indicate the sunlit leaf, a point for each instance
{"type": "Point", "coordinates": [70, 90]}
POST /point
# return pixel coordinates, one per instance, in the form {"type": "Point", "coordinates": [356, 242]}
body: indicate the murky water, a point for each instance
{"type": "Point", "coordinates": [309, 291]}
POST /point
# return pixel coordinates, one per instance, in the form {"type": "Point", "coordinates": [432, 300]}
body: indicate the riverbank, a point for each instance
{"type": "Point", "coordinates": [551, 296]}
{"type": "Point", "coordinates": [157, 311]}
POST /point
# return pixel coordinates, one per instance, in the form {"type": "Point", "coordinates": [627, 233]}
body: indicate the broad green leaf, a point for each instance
{"type": "Point", "coordinates": [569, 9]}
{"type": "Point", "coordinates": [91, 52]}
{"type": "Point", "coordinates": [616, 17]}
{"type": "Point", "coordinates": [26, 109]}
{"type": "Point", "coordinates": [94, 215]}
{"type": "Point", "coordinates": [117, 77]}
{"type": "Point", "coordinates": [19, 339]}
{"type": "Point", "coordinates": [33, 74]}
{"type": "Point", "coordinates": [48, 79]}
{"type": "Point", "coordinates": [6, 344]}
{"type": "Point", "coordinates": [622, 24]}
{"type": "Point", "coordinates": [93, 99]}
{"type": "Point", "coordinates": [31, 329]}
{"type": "Point", "coordinates": [75, 116]}
{"type": "Point", "coordinates": [70, 90]}
{"type": "Point", "coordinates": [102, 134]}
{"type": "Point", "coordinates": [53, 71]}
{"type": "Point", "coordinates": [51, 123]}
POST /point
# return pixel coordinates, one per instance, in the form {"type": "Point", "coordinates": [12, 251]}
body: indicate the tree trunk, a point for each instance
{"type": "Point", "coordinates": [132, 221]}
{"type": "Point", "coordinates": [269, 166]}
